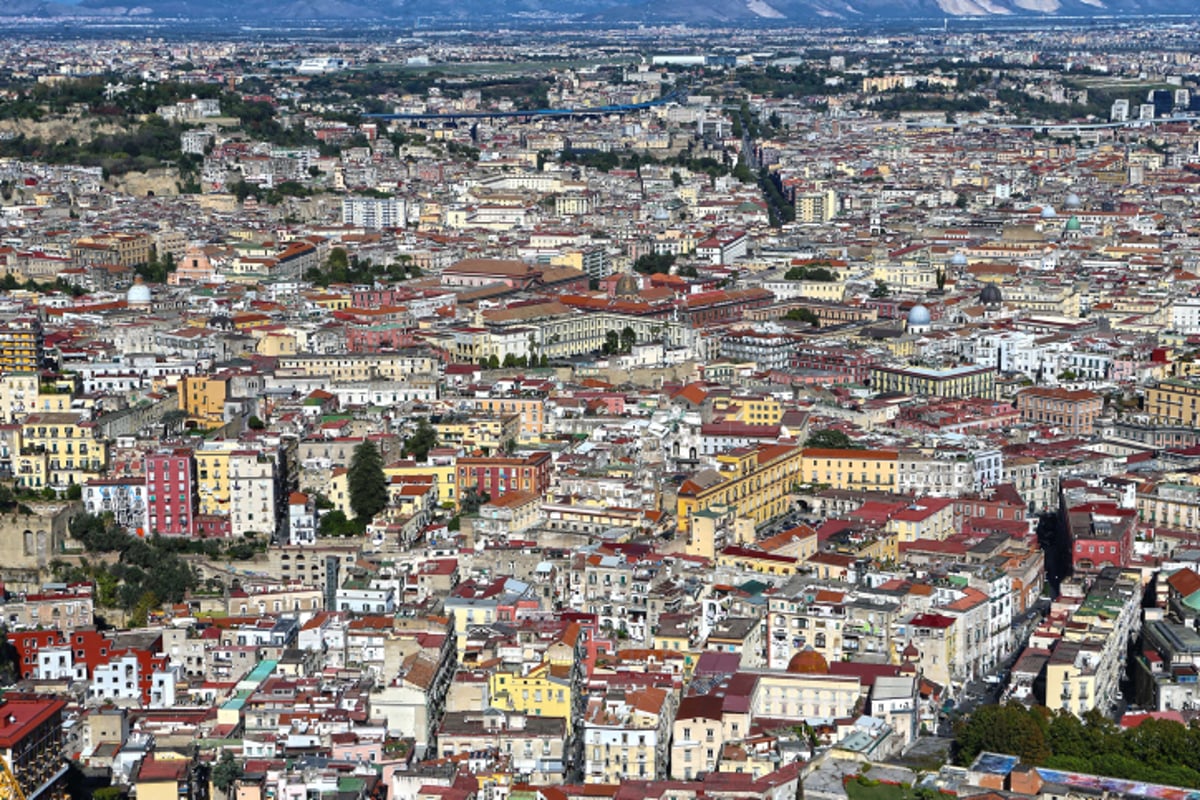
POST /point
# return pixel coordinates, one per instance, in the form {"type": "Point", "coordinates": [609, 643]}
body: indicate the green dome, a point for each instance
{"type": "Point", "coordinates": [1073, 224]}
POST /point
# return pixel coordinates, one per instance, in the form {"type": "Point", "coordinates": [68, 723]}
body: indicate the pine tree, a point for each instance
{"type": "Point", "coordinates": [368, 484]}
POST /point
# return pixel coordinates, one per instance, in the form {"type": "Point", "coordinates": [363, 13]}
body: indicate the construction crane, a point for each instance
{"type": "Point", "coordinates": [10, 789]}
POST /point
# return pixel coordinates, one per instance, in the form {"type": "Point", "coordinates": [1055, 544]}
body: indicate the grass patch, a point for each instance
{"type": "Point", "coordinates": [863, 788]}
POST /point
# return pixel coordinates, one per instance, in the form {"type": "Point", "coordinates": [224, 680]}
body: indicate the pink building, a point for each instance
{"type": "Point", "coordinates": [172, 497]}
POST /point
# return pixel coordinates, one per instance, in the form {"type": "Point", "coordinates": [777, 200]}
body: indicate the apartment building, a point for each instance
{"type": "Point", "coordinates": [1074, 412]}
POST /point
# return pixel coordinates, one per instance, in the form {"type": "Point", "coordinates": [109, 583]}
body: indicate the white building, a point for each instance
{"type": "Point", "coordinates": [55, 664]}
{"type": "Point", "coordinates": [251, 493]}
{"type": "Point", "coordinates": [302, 519]}
{"type": "Point", "coordinates": [948, 473]}
{"type": "Point", "coordinates": [162, 686]}
{"type": "Point", "coordinates": [124, 498]}
{"type": "Point", "coordinates": [1185, 315]}
{"type": "Point", "coordinates": [373, 212]}
{"type": "Point", "coordinates": [360, 599]}
{"type": "Point", "coordinates": [117, 680]}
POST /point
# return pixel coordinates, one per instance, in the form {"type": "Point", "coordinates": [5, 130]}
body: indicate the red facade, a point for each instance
{"type": "Point", "coordinates": [172, 497]}
{"type": "Point", "coordinates": [495, 476]}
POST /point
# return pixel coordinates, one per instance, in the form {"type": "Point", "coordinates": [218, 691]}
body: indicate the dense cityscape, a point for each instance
{"type": "Point", "coordinates": [651, 412]}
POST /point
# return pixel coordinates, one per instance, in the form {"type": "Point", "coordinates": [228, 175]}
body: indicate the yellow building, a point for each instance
{"type": "Point", "coordinates": [850, 469]}
{"type": "Point", "coordinates": [32, 470]}
{"type": "Point", "coordinates": [906, 276]}
{"type": "Point", "coordinates": [753, 482]}
{"type": "Point", "coordinates": [1173, 504]}
{"type": "Point", "coordinates": [819, 206]}
{"type": "Point", "coordinates": [202, 398]}
{"type": "Point", "coordinates": [530, 412]}
{"type": "Point", "coordinates": [69, 445]}
{"type": "Point", "coordinates": [1063, 301]}
{"type": "Point", "coordinates": [442, 470]}
{"type": "Point", "coordinates": [21, 342]}
{"type": "Point", "coordinates": [163, 775]}
{"type": "Point", "coordinates": [126, 249]}
{"type": "Point", "coordinates": [489, 434]}
{"type": "Point", "coordinates": [829, 291]}
{"type": "Point", "coordinates": [1071, 678]}
{"type": "Point", "coordinates": [745, 558]}
{"type": "Point", "coordinates": [1174, 402]}
{"type": "Point", "coordinates": [750, 409]}
{"type": "Point", "coordinates": [17, 391]}
{"type": "Point", "coordinates": [545, 691]}
{"type": "Point", "coordinates": [928, 518]}
{"type": "Point", "coordinates": [275, 342]}
{"type": "Point", "coordinates": [338, 491]}
{"type": "Point", "coordinates": [672, 639]}
{"type": "Point", "coordinates": [395, 366]}
{"type": "Point", "coordinates": [212, 477]}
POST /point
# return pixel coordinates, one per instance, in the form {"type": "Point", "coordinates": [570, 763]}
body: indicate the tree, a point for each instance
{"type": "Point", "coordinates": [803, 315]}
{"type": "Point", "coordinates": [422, 441]}
{"type": "Point", "coordinates": [255, 424]}
{"type": "Point", "coordinates": [226, 772]}
{"type": "Point", "coordinates": [493, 361]}
{"type": "Point", "coordinates": [654, 263]}
{"type": "Point", "coordinates": [334, 523]}
{"type": "Point", "coordinates": [612, 343]}
{"type": "Point", "coordinates": [941, 279]}
{"type": "Point", "coordinates": [471, 500]}
{"type": "Point", "coordinates": [1011, 729]}
{"type": "Point", "coordinates": [881, 289]}
{"type": "Point", "coordinates": [829, 439]}
{"type": "Point", "coordinates": [337, 259]}
{"type": "Point", "coordinates": [628, 338]}
{"type": "Point", "coordinates": [802, 273]}
{"type": "Point", "coordinates": [367, 483]}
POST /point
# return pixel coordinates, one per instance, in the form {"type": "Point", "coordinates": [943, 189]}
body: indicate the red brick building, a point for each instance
{"type": "Point", "coordinates": [496, 475]}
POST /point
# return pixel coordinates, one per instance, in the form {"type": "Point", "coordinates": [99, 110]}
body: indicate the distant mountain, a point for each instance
{"type": "Point", "coordinates": [699, 12]}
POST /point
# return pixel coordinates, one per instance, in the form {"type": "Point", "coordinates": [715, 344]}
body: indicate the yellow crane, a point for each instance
{"type": "Point", "coordinates": [10, 789]}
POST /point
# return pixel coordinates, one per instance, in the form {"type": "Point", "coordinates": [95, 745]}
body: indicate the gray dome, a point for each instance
{"type": "Point", "coordinates": [959, 259]}
{"type": "Point", "coordinates": [1048, 212]}
{"type": "Point", "coordinates": [1072, 201]}
{"type": "Point", "coordinates": [990, 296]}
{"type": "Point", "coordinates": [919, 316]}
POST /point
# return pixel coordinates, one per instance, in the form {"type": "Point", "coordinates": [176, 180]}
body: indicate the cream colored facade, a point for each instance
{"type": "Point", "coordinates": [360, 366]}
{"type": "Point", "coordinates": [799, 697]}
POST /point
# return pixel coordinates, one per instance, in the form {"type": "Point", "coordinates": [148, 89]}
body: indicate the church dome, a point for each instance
{"type": "Point", "coordinates": [1072, 201]}
{"type": "Point", "coordinates": [1048, 212]}
{"type": "Point", "coordinates": [959, 259]}
{"type": "Point", "coordinates": [138, 294]}
{"type": "Point", "coordinates": [627, 285]}
{"type": "Point", "coordinates": [808, 662]}
{"type": "Point", "coordinates": [919, 316]}
{"type": "Point", "coordinates": [1073, 224]}
{"type": "Point", "coordinates": [990, 296]}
